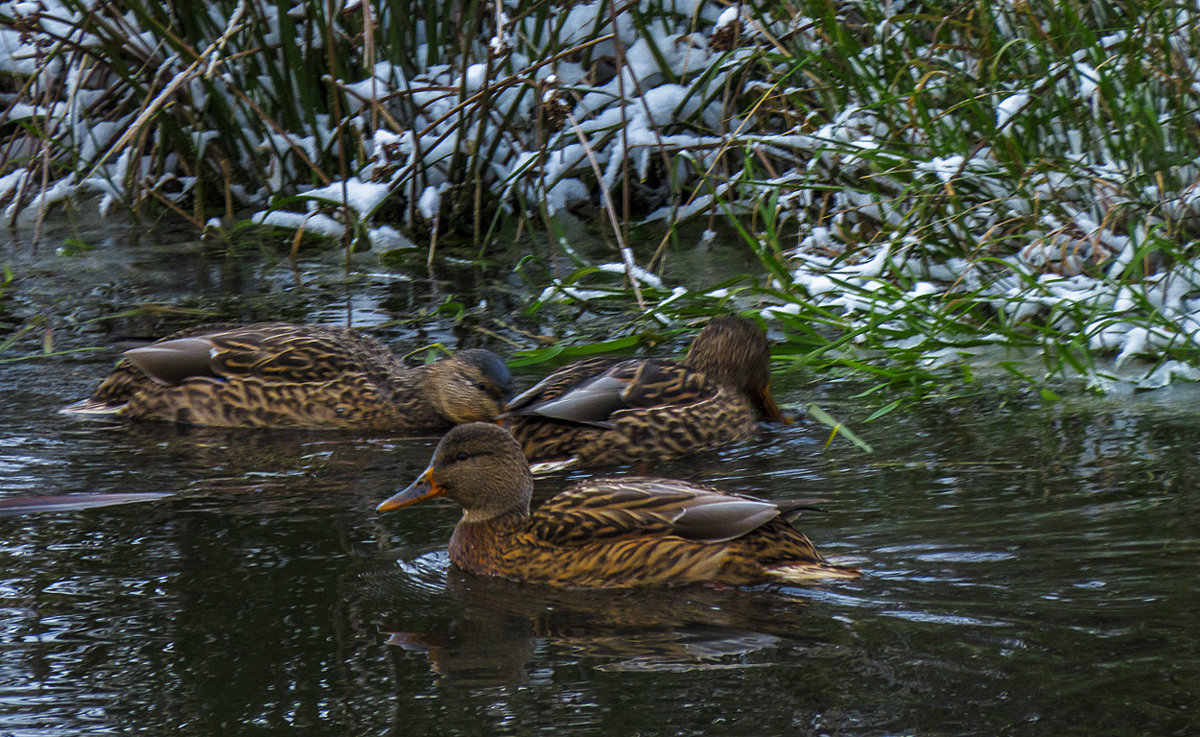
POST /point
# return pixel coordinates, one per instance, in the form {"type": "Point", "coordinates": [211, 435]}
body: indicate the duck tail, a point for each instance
{"type": "Point", "coordinates": [91, 408]}
{"type": "Point", "coordinates": [806, 571]}
{"type": "Point", "coordinates": [541, 468]}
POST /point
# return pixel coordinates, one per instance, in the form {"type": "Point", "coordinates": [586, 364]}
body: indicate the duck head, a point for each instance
{"type": "Point", "coordinates": [733, 351]}
{"type": "Point", "coordinates": [470, 386]}
{"type": "Point", "coordinates": [480, 466]}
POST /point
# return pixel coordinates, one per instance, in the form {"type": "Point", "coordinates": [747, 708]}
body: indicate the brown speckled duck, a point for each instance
{"type": "Point", "coordinates": [611, 410]}
{"type": "Point", "coordinates": [607, 533]}
{"type": "Point", "coordinates": [297, 376]}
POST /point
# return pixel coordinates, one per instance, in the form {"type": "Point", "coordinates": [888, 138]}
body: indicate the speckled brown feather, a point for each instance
{"type": "Point", "coordinates": [656, 409]}
{"type": "Point", "coordinates": [588, 537]}
{"type": "Point", "coordinates": [606, 532]}
{"type": "Point", "coordinates": [306, 376]}
{"type": "Point", "coordinates": [670, 410]}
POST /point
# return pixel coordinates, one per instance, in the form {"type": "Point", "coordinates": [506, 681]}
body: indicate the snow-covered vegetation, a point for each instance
{"type": "Point", "coordinates": [920, 181]}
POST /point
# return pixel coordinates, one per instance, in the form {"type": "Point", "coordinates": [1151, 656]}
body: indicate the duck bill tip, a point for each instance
{"type": "Point", "coordinates": [421, 489]}
{"type": "Point", "coordinates": [766, 404]}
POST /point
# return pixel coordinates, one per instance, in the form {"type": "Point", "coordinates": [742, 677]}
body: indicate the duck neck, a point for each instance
{"type": "Point", "coordinates": [713, 365]}
{"type": "Point", "coordinates": [476, 544]}
{"type": "Point", "coordinates": [416, 397]}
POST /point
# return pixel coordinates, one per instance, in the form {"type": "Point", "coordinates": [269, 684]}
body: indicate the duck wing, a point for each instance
{"type": "Point", "coordinates": [277, 351]}
{"type": "Point", "coordinates": [169, 362]}
{"type": "Point", "coordinates": [560, 382]}
{"type": "Point", "coordinates": [612, 509]}
{"type": "Point", "coordinates": [590, 392]}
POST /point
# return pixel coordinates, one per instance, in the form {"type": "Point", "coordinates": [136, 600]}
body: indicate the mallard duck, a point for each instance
{"type": "Point", "coordinates": [297, 376]}
{"type": "Point", "coordinates": [610, 410]}
{"type": "Point", "coordinates": [605, 533]}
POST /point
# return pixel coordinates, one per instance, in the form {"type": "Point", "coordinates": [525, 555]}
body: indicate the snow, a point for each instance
{"type": "Point", "coordinates": [944, 167]}
{"type": "Point", "coordinates": [1009, 107]}
{"type": "Point", "coordinates": [643, 276]}
{"type": "Point", "coordinates": [386, 238]}
{"type": "Point", "coordinates": [362, 197]}
{"type": "Point", "coordinates": [385, 78]}
{"type": "Point", "coordinates": [476, 77]}
{"type": "Point", "coordinates": [557, 293]}
{"type": "Point", "coordinates": [14, 57]}
{"type": "Point", "coordinates": [57, 192]}
{"type": "Point", "coordinates": [1134, 343]}
{"type": "Point", "coordinates": [1062, 239]}
{"type": "Point", "coordinates": [430, 203]}
{"type": "Point", "coordinates": [564, 193]}
{"type": "Point", "coordinates": [315, 224]}
{"type": "Point", "coordinates": [1088, 80]}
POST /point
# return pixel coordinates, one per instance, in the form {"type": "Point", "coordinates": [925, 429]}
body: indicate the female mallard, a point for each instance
{"type": "Point", "coordinates": [297, 376]}
{"type": "Point", "coordinates": [606, 410]}
{"type": "Point", "coordinates": [606, 533]}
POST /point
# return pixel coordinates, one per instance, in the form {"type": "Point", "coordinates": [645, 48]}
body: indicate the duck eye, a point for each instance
{"type": "Point", "coordinates": [462, 456]}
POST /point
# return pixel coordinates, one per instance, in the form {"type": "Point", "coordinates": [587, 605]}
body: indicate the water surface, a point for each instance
{"type": "Point", "coordinates": [1031, 570]}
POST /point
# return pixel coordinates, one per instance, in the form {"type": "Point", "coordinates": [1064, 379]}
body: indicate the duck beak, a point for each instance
{"type": "Point", "coordinates": [766, 405]}
{"type": "Point", "coordinates": [419, 490]}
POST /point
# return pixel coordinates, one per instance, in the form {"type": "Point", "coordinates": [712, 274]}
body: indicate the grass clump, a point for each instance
{"type": "Point", "coordinates": [971, 175]}
{"type": "Point", "coordinates": [921, 182]}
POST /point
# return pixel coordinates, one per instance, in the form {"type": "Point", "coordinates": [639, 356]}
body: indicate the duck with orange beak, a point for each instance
{"type": "Point", "coordinates": [607, 532]}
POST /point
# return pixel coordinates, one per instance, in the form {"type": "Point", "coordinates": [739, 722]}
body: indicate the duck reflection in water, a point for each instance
{"type": "Point", "coordinates": [494, 632]}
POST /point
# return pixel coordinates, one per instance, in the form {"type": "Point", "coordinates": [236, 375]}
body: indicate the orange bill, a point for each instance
{"type": "Point", "coordinates": [766, 405]}
{"type": "Point", "coordinates": [419, 490]}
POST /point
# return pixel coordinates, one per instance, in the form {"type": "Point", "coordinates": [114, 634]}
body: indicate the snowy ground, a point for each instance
{"type": "Point", "coordinates": [880, 157]}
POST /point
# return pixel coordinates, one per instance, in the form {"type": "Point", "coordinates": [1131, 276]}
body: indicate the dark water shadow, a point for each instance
{"type": "Point", "coordinates": [482, 630]}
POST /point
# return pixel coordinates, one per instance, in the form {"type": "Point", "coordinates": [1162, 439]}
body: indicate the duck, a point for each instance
{"type": "Point", "coordinates": [284, 375]}
{"type": "Point", "coordinates": [618, 532]}
{"type": "Point", "coordinates": [603, 411]}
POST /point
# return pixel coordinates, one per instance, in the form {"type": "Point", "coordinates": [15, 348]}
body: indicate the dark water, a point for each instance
{"type": "Point", "coordinates": [1031, 570]}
